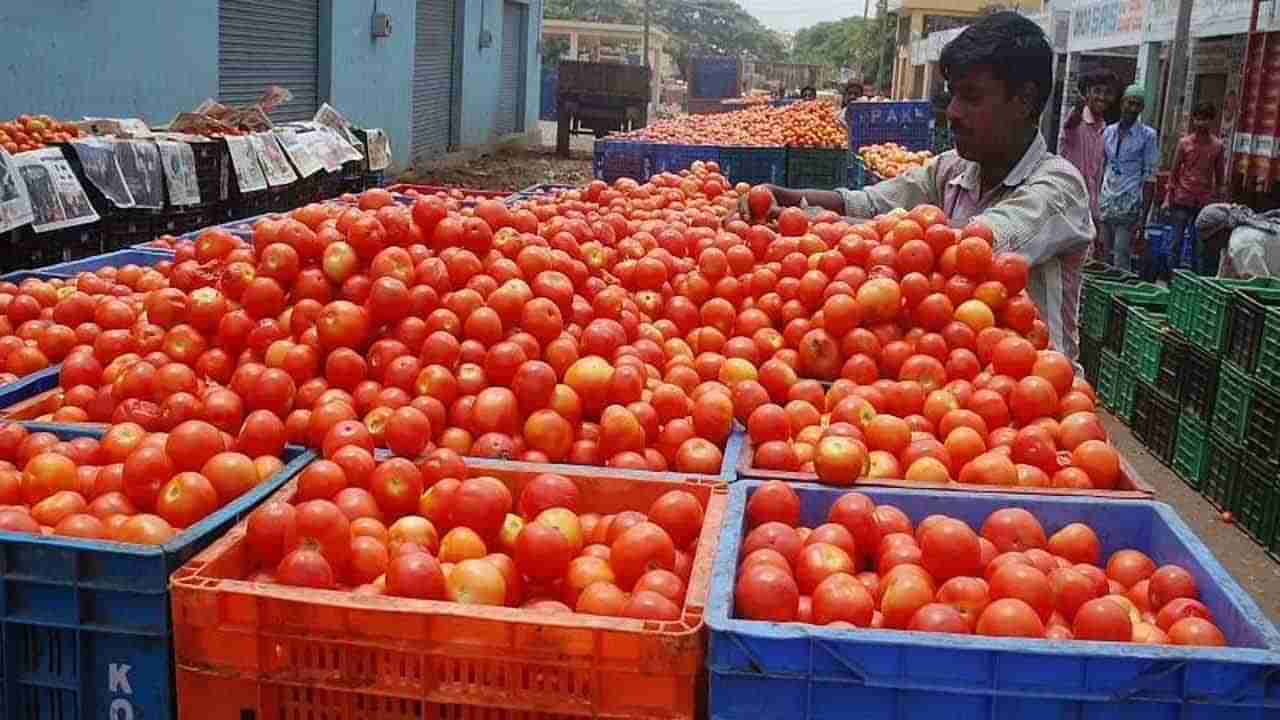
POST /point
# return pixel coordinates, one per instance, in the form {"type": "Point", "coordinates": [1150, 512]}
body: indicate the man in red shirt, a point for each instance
{"type": "Point", "coordinates": [1196, 179]}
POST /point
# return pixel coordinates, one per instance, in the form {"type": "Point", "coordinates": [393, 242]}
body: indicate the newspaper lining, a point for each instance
{"type": "Point", "coordinates": [57, 199]}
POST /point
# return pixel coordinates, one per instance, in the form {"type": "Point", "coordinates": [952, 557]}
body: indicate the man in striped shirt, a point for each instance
{"type": "Point", "coordinates": [1000, 72]}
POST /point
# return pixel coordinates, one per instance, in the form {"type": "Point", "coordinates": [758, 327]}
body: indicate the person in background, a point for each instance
{"type": "Point", "coordinates": [1251, 241]}
{"type": "Point", "coordinates": [942, 140]}
{"type": "Point", "coordinates": [808, 92]}
{"type": "Point", "coordinates": [852, 91]}
{"type": "Point", "coordinates": [1080, 140]}
{"type": "Point", "coordinates": [1195, 180]}
{"type": "Point", "coordinates": [1132, 158]}
{"type": "Point", "coordinates": [1001, 174]}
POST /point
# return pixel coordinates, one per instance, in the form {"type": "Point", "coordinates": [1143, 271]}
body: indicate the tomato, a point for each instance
{"type": "Point", "coordinates": [46, 474]}
{"type": "Point", "coordinates": [1102, 619]}
{"type": "Point", "coordinates": [186, 499]}
{"type": "Point", "coordinates": [306, 567]}
{"type": "Point", "coordinates": [766, 592]}
{"type": "Point", "coordinates": [1010, 617]}
{"type": "Point", "coordinates": [144, 530]}
{"type": "Point", "coordinates": [321, 525]}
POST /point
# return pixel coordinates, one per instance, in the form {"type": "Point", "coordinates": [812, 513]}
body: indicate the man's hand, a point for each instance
{"type": "Point", "coordinates": [766, 199]}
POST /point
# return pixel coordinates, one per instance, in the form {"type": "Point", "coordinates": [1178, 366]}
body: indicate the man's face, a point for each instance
{"type": "Point", "coordinates": [1099, 98]}
{"type": "Point", "coordinates": [981, 114]}
{"type": "Point", "coordinates": [1201, 124]}
{"type": "Point", "coordinates": [1130, 109]}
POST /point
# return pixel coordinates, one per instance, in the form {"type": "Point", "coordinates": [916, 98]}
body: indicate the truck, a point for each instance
{"type": "Point", "coordinates": [596, 98]}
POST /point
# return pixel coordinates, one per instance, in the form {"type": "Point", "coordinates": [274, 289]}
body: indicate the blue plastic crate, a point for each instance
{"type": "Point", "coordinates": [615, 159]}
{"type": "Point", "coordinates": [28, 386]}
{"type": "Point", "coordinates": [674, 158]}
{"type": "Point", "coordinates": [754, 165]}
{"type": "Point", "coordinates": [17, 276]}
{"type": "Point", "coordinates": [534, 192]}
{"type": "Point", "coordinates": [119, 258]}
{"type": "Point", "coordinates": [86, 625]}
{"type": "Point", "coordinates": [909, 124]}
{"type": "Point", "coordinates": [765, 670]}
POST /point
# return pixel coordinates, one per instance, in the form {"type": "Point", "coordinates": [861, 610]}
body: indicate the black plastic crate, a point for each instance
{"type": "Point", "coordinates": [328, 185]}
{"type": "Point", "coordinates": [127, 228]}
{"type": "Point", "coordinates": [1255, 499]}
{"type": "Point", "coordinates": [212, 170]}
{"type": "Point", "coordinates": [1155, 421]}
{"type": "Point", "coordinates": [1198, 382]}
{"type": "Point", "coordinates": [1090, 357]}
{"type": "Point", "coordinates": [1262, 430]}
{"type": "Point", "coordinates": [1246, 322]}
{"type": "Point", "coordinates": [1221, 471]}
{"type": "Point", "coordinates": [182, 220]}
{"type": "Point", "coordinates": [1169, 375]}
{"type": "Point", "coordinates": [1118, 318]}
{"type": "Point", "coordinates": [304, 191]}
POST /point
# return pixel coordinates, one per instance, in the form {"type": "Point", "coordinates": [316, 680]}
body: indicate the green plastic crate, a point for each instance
{"type": "Point", "coordinates": [1231, 406]}
{"type": "Point", "coordinates": [1182, 299]}
{"type": "Point", "coordinates": [1191, 450]}
{"type": "Point", "coordinates": [1208, 322]}
{"type": "Point", "coordinates": [820, 169]}
{"type": "Point", "coordinates": [1097, 304]}
{"type": "Point", "coordinates": [1268, 370]}
{"type": "Point", "coordinates": [1144, 338]}
{"type": "Point", "coordinates": [1116, 384]}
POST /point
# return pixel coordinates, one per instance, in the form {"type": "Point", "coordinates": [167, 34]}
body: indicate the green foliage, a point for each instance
{"type": "Point", "coordinates": [853, 42]}
{"type": "Point", "coordinates": [707, 27]}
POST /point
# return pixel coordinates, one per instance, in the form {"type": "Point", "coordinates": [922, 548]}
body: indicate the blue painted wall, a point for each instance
{"type": "Point", "coordinates": [130, 58]}
{"type": "Point", "coordinates": [482, 68]}
{"type": "Point", "coordinates": [370, 81]}
{"type": "Point", "coordinates": [71, 58]}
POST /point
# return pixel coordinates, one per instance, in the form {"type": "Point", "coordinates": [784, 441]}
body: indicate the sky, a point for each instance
{"type": "Point", "coordinates": [791, 15]}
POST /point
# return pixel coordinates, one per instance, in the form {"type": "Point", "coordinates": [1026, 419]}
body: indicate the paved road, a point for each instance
{"type": "Point", "coordinates": [1242, 557]}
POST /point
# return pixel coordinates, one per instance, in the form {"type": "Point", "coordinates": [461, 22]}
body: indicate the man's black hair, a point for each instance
{"type": "Point", "coordinates": [1205, 110]}
{"type": "Point", "coordinates": [1013, 48]}
{"type": "Point", "coordinates": [1098, 77]}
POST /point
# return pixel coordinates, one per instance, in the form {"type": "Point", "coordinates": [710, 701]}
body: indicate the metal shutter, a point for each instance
{"type": "Point", "coordinates": [510, 118]}
{"type": "Point", "coordinates": [270, 42]}
{"type": "Point", "coordinates": [433, 92]}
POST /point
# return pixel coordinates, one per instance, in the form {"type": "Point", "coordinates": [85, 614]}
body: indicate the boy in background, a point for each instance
{"type": "Point", "coordinates": [1194, 182]}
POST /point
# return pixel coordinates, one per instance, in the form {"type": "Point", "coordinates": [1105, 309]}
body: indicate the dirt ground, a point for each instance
{"type": "Point", "coordinates": [1242, 557]}
{"type": "Point", "coordinates": [515, 168]}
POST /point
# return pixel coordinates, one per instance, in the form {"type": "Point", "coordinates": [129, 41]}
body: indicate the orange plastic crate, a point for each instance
{"type": "Point", "coordinates": [286, 652]}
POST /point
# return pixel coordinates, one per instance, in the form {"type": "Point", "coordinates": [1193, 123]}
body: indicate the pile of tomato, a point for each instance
{"type": "Point", "coordinates": [808, 124]}
{"type": "Point", "coordinates": [370, 527]}
{"type": "Point", "coordinates": [867, 566]}
{"type": "Point", "coordinates": [627, 325]}
{"type": "Point", "coordinates": [891, 160]}
{"type": "Point", "coordinates": [32, 132]}
{"type": "Point", "coordinates": [131, 486]}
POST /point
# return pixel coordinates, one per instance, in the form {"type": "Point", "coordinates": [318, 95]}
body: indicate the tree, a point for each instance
{"type": "Point", "coordinates": [852, 42]}
{"type": "Point", "coordinates": [712, 27]}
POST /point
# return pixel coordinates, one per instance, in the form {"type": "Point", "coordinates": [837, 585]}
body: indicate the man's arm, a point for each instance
{"type": "Point", "coordinates": [1220, 172]}
{"type": "Point", "coordinates": [917, 186]}
{"type": "Point", "coordinates": [907, 190]}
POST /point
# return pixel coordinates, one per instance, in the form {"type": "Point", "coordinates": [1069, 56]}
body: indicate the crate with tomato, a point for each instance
{"type": "Point", "coordinates": [910, 601]}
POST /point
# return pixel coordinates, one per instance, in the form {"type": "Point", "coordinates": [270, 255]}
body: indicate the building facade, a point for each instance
{"type": "Point", "coordinates": [917, 19]}
{"type": "Point", "coordinates": [451, 76]}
